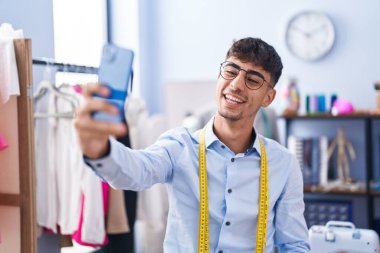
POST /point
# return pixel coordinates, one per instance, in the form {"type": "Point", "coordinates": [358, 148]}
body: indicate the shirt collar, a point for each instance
{"type": "Point", "coordinates": [256, 143]}
{"type": "Point", "coordinates": [211, 138]}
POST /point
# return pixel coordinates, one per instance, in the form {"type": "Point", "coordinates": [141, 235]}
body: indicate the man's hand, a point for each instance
{"type": "Point", "coordinates": [93, 135]}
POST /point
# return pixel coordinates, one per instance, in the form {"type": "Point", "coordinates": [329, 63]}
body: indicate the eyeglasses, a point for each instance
{"type": "Point", "coordinates": [253, 79]}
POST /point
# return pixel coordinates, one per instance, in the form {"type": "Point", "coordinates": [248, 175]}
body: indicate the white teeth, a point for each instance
{"type": "Point", "coordinates": [234, 99]}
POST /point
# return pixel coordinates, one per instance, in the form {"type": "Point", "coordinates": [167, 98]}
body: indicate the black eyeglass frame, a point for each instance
{"type": "Point", "coordinates": [246, 71]}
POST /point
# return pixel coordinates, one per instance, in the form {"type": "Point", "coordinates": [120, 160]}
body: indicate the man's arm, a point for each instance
{"type": "Point", "coordinates": [137, 169]}
{"type": "Point", "coordinates": [291, 231]}
{"type": "Point", "coordinates": [120, 166]}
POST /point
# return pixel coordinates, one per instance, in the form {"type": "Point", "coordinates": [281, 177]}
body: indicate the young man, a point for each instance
{"type": "Point", "coordinates": [236, 163]}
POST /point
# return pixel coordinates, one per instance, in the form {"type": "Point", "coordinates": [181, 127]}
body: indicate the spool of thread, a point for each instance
{"type": "Point", "coordinates": [332, 100]}
{"type": "Point", "coordinates": [307, 104]}
{"type": "Point", "coordinates": [321, 103]}
{"type": "Point", "coordinates": [313, 104]}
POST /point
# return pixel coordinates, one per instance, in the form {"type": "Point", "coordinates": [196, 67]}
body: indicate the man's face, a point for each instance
{"type": "Point", "coordinates": [235, 101]}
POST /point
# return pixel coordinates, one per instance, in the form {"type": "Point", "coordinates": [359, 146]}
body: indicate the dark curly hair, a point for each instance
{"type": "Point", "coordinates": [258, 52]}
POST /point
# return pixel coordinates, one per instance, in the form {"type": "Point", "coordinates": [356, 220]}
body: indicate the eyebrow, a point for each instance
{"type": "Point", "coordinates": [254, 72]}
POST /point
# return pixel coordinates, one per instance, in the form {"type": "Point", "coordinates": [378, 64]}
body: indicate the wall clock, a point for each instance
{"type": "Point", "coordinates": [310, 35]}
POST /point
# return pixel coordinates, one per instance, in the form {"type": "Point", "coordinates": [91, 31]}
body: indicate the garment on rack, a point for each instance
{"type": "Point", "coordinates": [68, 168]}
{"type": "Point", "coordinates": [58, 169]}
{"type": "Point", "coordinates": [3, 142]}
{"type": "Point", "coordinates": [117, 220]}
{"type": "Point", "coordinates": [9, 83]}
{"type": "Point", "coordinates": [123, 242]}
{"type": "Point", "coordinates": [46, 192]}
{"type": "Point", "coordinates": [91, 228]}
{"type": "Point", "coordinates": [61, 175]}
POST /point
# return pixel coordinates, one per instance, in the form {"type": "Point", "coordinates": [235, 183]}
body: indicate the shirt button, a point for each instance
{"type": "Point", "coordinates": [223, 146]}
{"type": "Point", "coordinates": [99, 165]}
{"type": "Point", "coordinates": [232, 159]}
{"type": "Point", "coordinates": [229, 190]}
{"type": "Point", "coordinates": [220, 251]}
{"type": "Point", "coordinates": [228, 223]}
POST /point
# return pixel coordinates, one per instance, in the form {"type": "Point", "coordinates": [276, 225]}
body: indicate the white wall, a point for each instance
{"type": "Point", "coordinates": [125, 32]}
{"type": "Point", "coordinates": [35, 18]}
{"type": "Point", "coordinates": [192, 38]}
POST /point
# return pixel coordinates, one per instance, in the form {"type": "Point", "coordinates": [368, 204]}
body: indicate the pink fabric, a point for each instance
{"type": "Point", "coordinates": [77, 236]}
{"type": "Point", "coordinates": [77, 88]}
{"type": "Point", "coordinates": [3, 143]}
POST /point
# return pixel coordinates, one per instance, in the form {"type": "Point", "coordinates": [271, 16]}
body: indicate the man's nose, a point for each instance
{"type": "Point", "coordinates": [238, 83]}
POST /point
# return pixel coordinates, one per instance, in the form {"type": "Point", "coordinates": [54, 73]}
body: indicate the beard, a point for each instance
{"type": "Point", "coordinates": [229, 116]}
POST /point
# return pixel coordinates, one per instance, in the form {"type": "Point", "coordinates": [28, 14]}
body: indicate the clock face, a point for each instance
{"type": "Point", "coordinates": [310, 35]}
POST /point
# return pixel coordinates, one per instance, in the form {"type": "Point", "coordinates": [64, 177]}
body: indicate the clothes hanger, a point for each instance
{"type": "Point", "coordinates": [61, 88]}
{"type": "Point", "coordinates": [47, 86]}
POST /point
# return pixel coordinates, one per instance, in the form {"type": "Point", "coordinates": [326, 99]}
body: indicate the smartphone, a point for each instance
{"type": "Point", "coordinates": [115, 72]}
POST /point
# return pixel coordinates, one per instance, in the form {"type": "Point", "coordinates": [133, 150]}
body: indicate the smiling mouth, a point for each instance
{"type": "Point", "coordinates": [232, 99]}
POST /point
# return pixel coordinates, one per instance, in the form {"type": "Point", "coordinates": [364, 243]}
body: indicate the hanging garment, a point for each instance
{"type": "Point", "coordinates": [61, 175]}
{"type": "Point", "coordinates": [122, 242]}
{"type": "Point", "coordinates": [91, 228]}
{"type": "Point", "coordinates": [117, 221]}
{"type": "Point", "coordinates": [3, 142]}
{"type": "Point", "coordinates": [46, 190]}
{"type": "Point", "coordinates": [59, 168]}
{"type": "Point", "coordinates": [9, 83]}
{"type": "Point", "coordinates": [68, 170]}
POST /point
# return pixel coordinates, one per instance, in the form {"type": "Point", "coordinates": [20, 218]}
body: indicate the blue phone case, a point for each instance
{"type": "Point", "coordinates": [115, 72]}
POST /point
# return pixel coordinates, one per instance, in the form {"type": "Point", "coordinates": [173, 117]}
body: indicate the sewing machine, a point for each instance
{"type": "Point", "coordinates": [342, 237]}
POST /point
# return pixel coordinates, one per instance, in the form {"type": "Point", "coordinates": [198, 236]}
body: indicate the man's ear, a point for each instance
{"type": "Point", "coordinates": [269, 97]}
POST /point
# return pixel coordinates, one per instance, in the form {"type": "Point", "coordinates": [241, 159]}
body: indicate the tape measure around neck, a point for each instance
{"type": "Point", "coordinates": [203, 226]}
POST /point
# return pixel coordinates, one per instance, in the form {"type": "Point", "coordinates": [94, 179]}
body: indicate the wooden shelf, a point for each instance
{"type": "Point", "coordinates": [336, 190]}
{"type": "Point", "coordinates": [330, 116]}
{"type": "Point", "coordinates": [10, 199]}
{"type": "Point", "coordinates": [375, 192]}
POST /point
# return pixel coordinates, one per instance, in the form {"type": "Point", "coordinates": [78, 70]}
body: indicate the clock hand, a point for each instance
{"type": "Point", "coordinates": [296, 28]}
{"type": "Point", "coordinates": [316, 30]}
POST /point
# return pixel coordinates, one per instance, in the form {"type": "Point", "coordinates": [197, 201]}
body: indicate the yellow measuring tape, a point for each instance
{"type": "Point", "coordinates": [261, 231]}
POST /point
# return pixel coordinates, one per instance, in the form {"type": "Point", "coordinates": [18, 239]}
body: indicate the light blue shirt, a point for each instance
{"type": "Point", "coordinates": [233, 186]}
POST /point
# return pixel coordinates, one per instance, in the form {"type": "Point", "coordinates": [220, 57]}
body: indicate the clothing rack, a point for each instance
{"type": "Point", "coordinates": [64, 67]}
{"type": "Point", "coordinates": [19, 168]}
